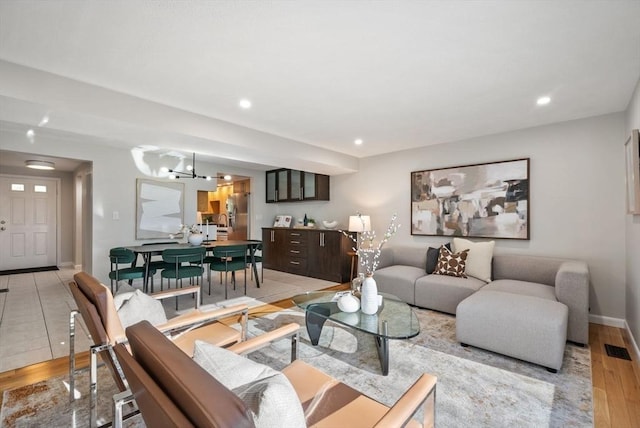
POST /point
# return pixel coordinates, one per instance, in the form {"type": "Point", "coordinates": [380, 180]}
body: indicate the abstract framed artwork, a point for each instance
{"type": "Point", "coordinates": [488, 200]}
{"type": "Point", "coordinates": [632, 161]}
{"type": "Point", "coordinates": [159, 208]}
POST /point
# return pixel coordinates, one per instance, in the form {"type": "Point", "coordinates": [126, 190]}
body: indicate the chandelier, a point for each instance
{"type": "Point", "coordinates": [191, 172]}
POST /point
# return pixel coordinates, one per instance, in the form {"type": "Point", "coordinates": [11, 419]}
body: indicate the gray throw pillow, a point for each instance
{"type": "Point", "coordinates": [432, 258]}
{"type": "Point", "coordinates": [267, 392]}
{"type": "Point", "coordinates": [141, 307]}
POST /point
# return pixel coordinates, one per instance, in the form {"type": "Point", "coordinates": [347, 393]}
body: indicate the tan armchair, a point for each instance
{"type": "Point", "coordinates": [170, 389]}
{"type": "Point", "coordinates": [95, 303]}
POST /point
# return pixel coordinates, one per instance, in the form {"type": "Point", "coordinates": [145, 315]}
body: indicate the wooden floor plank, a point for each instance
{"type": "Point", "coordinates": [600, 409]}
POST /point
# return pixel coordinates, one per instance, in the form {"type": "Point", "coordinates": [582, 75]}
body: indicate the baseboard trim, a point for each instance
{"type": "Point", "coordinates": [66, 264]}
{"type": "Point", "coordinates": [633, 340]}
{"type": "Point", "coordinates": [608, 321]}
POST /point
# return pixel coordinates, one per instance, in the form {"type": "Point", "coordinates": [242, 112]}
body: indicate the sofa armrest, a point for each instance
{"type": "Point", "coordinates": [572, 289]}
{"type": "Point", "coordinates": [423, 391]}
{"type": "Point", "coordinates": [255, 343]}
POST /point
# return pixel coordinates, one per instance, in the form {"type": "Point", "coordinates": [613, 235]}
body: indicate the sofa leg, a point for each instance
{"type": "Point", "coordinates": [464, 345]}
{"type": "Point", "coordinates": [554, 371]}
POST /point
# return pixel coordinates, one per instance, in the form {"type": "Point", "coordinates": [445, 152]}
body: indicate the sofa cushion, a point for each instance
{"type": "Point", "coordinates": [267, 392]}
{"type": "Point", "coordinates": [432, 258]}
{"type": "Point", "coordinates": [452, 264]}
{"type": "Point", "coordinates": [523, 288]}
{"type": "Point", "coordinates": [398, 280]}
{"type": "Point", "coordinates": [141, 307]}
{"type": "Point", "coordinates": [443, 293]}
{"type": "Point", "coordinates": [478, 263]}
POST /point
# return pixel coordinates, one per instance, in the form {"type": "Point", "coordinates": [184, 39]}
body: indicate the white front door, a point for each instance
{"type": "Point", "coordinates": [28, 222]}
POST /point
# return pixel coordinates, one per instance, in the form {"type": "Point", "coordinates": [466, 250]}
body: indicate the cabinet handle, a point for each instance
{"type": "Point", "coordinates": [294, 251]}
{"type": "Point", "coordinates": [301, 193]}
{"type": "Point", "coordinates": [295, 242]}
{"type": "Point", "coordinates": [272, 236]}
{"type": "Point", "coordinates": [294, 263]}
{"type": "Point", "coordinates": [295, 234]}
{"type": "Point", "coordinates": [322, 239]}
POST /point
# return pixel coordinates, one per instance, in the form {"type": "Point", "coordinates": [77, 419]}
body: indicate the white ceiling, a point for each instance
{"type": "Point", "coordinates": [398, 74]}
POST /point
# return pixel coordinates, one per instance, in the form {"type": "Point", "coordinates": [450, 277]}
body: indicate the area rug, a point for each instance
{"type": "Point", "coordinates": [475, 388]}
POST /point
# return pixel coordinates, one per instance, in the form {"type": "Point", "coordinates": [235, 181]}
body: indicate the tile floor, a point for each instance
{"type": "Point", "coordinates": [34, 313]}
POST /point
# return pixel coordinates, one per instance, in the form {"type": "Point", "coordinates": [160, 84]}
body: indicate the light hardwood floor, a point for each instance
{"type": "Point", "coordinates": [616, 382]}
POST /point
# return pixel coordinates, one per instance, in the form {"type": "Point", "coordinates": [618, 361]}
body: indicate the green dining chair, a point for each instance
{"type": "Point", "coordinates": [228, 258]}
{"type": "Point", "coordinates": [183, 263]}
{"type": "Point", "coordinates": [123, 256]}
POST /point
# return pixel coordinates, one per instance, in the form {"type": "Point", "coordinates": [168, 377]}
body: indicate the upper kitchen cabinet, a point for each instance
{"type": "Point", "coordinates": [290, 185]}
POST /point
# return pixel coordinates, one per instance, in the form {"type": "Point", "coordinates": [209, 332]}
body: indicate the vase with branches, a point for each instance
{"type": "Point", "coordinates": [368, 252]}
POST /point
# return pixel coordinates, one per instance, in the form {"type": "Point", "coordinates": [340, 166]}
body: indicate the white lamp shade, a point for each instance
{"type": "Point", "coordinates": [359, 223]}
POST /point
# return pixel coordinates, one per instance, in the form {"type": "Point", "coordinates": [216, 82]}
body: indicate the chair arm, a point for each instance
{"type": "Point", "coordinates": [422, 390]}
{"type": "Point", "coordinates": [265, 339]}
{"type": "Point", "coordinates": [177, 292]}
{"type": "Point", "coordinates": [572, 289]}
{"type": "Point", "coordinates": [196, 318]}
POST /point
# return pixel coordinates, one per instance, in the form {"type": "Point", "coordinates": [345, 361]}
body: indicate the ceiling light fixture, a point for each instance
{"type": "Point", "coordinates": [543, 101]}
{"type": "Point", "coordinates": [245, 103]}
{"type": "Point", "coordinates": [358, 142]}
{"type": "Point", "coordinates": [39, 164]}
{"type": "Point", "coordinates": [174, 175]}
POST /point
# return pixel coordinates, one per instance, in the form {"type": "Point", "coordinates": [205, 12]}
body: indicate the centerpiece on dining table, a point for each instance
{"type": "Point", "coordinates": [192, 234]}
{"type": "Point", "coordinates": [368, 252]}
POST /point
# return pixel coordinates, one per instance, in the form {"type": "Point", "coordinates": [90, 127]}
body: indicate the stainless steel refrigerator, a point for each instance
{"type": "Point", "coordinates": [238, 214]}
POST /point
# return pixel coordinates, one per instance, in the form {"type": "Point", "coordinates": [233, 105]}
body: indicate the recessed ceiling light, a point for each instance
{"type": "Point", "coordinates": [358, 141]}
{"type": "Point", "coordinates": [227, 177]}
{"type": "Point", "coordinates": [38, 164]}
{"type": "Point", "coordinates": [245, 103]}
{"type": "Point", "coordinates": [543, 101]}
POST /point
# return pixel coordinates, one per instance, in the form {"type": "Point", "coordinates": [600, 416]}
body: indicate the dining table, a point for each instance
{"type": "Point", "coordinates": [149, 250]}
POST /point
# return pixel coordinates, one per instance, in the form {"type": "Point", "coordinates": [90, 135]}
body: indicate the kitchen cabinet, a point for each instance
{"type": "Point", "coordinates": [315, 253]}
{"type": "Point", "coordinates": [290, 185]}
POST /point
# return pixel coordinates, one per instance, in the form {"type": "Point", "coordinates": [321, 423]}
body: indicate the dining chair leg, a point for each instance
{"type": "Point", "coordinates": [225, 285]}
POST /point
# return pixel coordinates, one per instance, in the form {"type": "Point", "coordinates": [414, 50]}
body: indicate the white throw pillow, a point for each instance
{"type": "Point", "coordinates": [124, 293]}
{"type": "Point", "coordinates": [267, 392]}
{"type": "Point", "coordinates": [141, 307]}
{"type": "Point", "coordinates": [479, 257]}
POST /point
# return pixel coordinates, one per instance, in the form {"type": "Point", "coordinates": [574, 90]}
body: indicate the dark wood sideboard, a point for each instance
{"type": "Point", "coordinates": [315, 253]}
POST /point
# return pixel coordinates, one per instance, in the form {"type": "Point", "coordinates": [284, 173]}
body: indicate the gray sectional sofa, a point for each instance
{"type": "Point", "coordinates": [528, 310]}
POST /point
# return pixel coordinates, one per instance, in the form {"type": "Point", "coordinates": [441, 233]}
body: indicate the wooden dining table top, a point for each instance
{"type": "Point", "coordinates": [158, 248]}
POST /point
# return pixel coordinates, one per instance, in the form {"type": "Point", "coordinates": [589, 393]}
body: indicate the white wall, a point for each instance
{"type": "Point", "coordinates": [114, 190]}
{"type": "Point", "coordinates": [633, 237]}
{"type": "Point", "coordinates": [577, 195]}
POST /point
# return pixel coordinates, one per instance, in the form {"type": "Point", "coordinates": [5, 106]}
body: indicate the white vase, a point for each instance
{"type": "Point", "coordinates": [369, 296]}
{"type": "Point", "coordinates": [195, 239]}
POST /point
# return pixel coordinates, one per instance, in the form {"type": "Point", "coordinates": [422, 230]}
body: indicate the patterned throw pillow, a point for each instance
{"type": "Point", "coordinates": [451, 264]}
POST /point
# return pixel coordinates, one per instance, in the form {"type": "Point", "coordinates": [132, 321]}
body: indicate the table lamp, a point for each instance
{"type": "Point", "coordinates": [359, 223]}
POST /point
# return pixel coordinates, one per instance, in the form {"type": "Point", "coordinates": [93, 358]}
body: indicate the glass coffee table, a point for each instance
{"type": "Point", "coordinates": [394, 320]}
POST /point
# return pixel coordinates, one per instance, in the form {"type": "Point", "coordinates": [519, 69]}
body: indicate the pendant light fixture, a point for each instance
{"type": "Point", "coordinates": [191, 172]}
